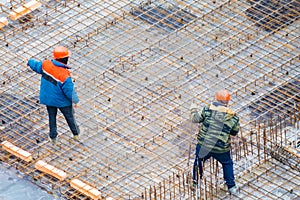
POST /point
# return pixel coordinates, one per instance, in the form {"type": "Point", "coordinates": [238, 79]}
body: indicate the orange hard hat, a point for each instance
{"type": "Point", "coordinates": [222, 95]}
{"type": "Point", "coordinates": [61, 52]}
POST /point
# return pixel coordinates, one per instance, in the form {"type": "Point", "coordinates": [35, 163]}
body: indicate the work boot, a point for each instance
{"type": "Point", "coordinates": [194, 186]}
{"type": "Point", "coordinates": [233, 190]}
{"type": "Point", "coordinates": [53, 141]}
{"type": "Point", "coordinates": [76, 138]}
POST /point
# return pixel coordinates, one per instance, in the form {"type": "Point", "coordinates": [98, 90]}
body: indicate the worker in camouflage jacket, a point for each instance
{"type": "Point", "coordinates": [217, 124]}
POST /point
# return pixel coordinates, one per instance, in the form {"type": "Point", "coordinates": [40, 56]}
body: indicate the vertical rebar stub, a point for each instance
{"type": "Point", "coordinates": [51, 170]}
{"type": "Point", "coordinates": [20, 153]}
{"type": "Point", "coordinates": [85, 189]}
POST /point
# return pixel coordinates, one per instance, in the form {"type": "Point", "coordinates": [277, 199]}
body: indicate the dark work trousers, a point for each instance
{"type": "Point", "coordinates": [223, 158]}
{"type": "Point", "coordinates": [68, 113]}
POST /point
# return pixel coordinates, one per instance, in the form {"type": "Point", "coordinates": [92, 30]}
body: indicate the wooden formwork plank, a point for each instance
{"type": "Point", "coordinates": [3, 22]}
{"type": "Point", "coordinates": [51, 170]}
{"type": "Point", "coordinates": [85, 189]}
{"type": "Point", "coordinates": [20, 153]}
{"type": "Point", "coordinates": [24, 10]}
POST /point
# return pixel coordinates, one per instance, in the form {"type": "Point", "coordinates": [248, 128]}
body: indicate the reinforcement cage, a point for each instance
{"type": "Point", "coordinates": [137, 66]}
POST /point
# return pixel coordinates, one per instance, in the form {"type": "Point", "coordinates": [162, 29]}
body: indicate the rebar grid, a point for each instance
{"type": "Point", "coordinates": [136, 77]}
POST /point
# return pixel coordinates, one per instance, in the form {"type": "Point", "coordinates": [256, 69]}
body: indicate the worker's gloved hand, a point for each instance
{"type": "Point", "coordinates": [193, 107]}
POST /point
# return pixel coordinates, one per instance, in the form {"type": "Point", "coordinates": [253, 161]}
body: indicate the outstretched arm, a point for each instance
{"type": "Point", "coordinates": [35, 65]}
{"type": "Point", "coordinates": [195, 116]}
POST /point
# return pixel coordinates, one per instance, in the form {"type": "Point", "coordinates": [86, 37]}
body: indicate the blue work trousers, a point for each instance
{"type": "Point", "coordinates": [223, 158]}
{"type": "Point", "coordinates": [68, 113]}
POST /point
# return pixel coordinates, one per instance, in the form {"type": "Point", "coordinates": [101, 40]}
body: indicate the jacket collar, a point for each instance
{"type": "Point", "coordinates": [59, 64]}
{"type": "Point", "coordinates": [217, 106]}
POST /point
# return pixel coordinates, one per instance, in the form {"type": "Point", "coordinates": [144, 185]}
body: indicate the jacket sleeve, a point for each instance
{"type": "Point", "coordinates": [69, 90]}
{"type": "Point", "coordinates": [236, 127]}
{"type": "Point", "coordinates": [35, 65]}
{"type": "Point", "coordinates": [196, 117]}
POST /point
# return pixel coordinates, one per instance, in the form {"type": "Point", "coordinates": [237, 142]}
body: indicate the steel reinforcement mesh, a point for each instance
{"type": "Point", "coordinates": [137, 66]}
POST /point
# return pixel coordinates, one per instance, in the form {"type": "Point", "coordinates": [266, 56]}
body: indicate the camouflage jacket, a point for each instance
{"type": "Point", "coordinates": [217, 124]}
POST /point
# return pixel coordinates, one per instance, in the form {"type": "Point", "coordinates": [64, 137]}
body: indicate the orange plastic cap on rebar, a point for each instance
{"type": "Point", "coordinates": [222, 95]}
{"type": "Point", "coordinates": [61, 52]}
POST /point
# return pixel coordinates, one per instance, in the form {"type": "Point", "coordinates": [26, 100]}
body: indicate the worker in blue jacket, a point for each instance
{"type": "Point", "coordinates": [57, 90]}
